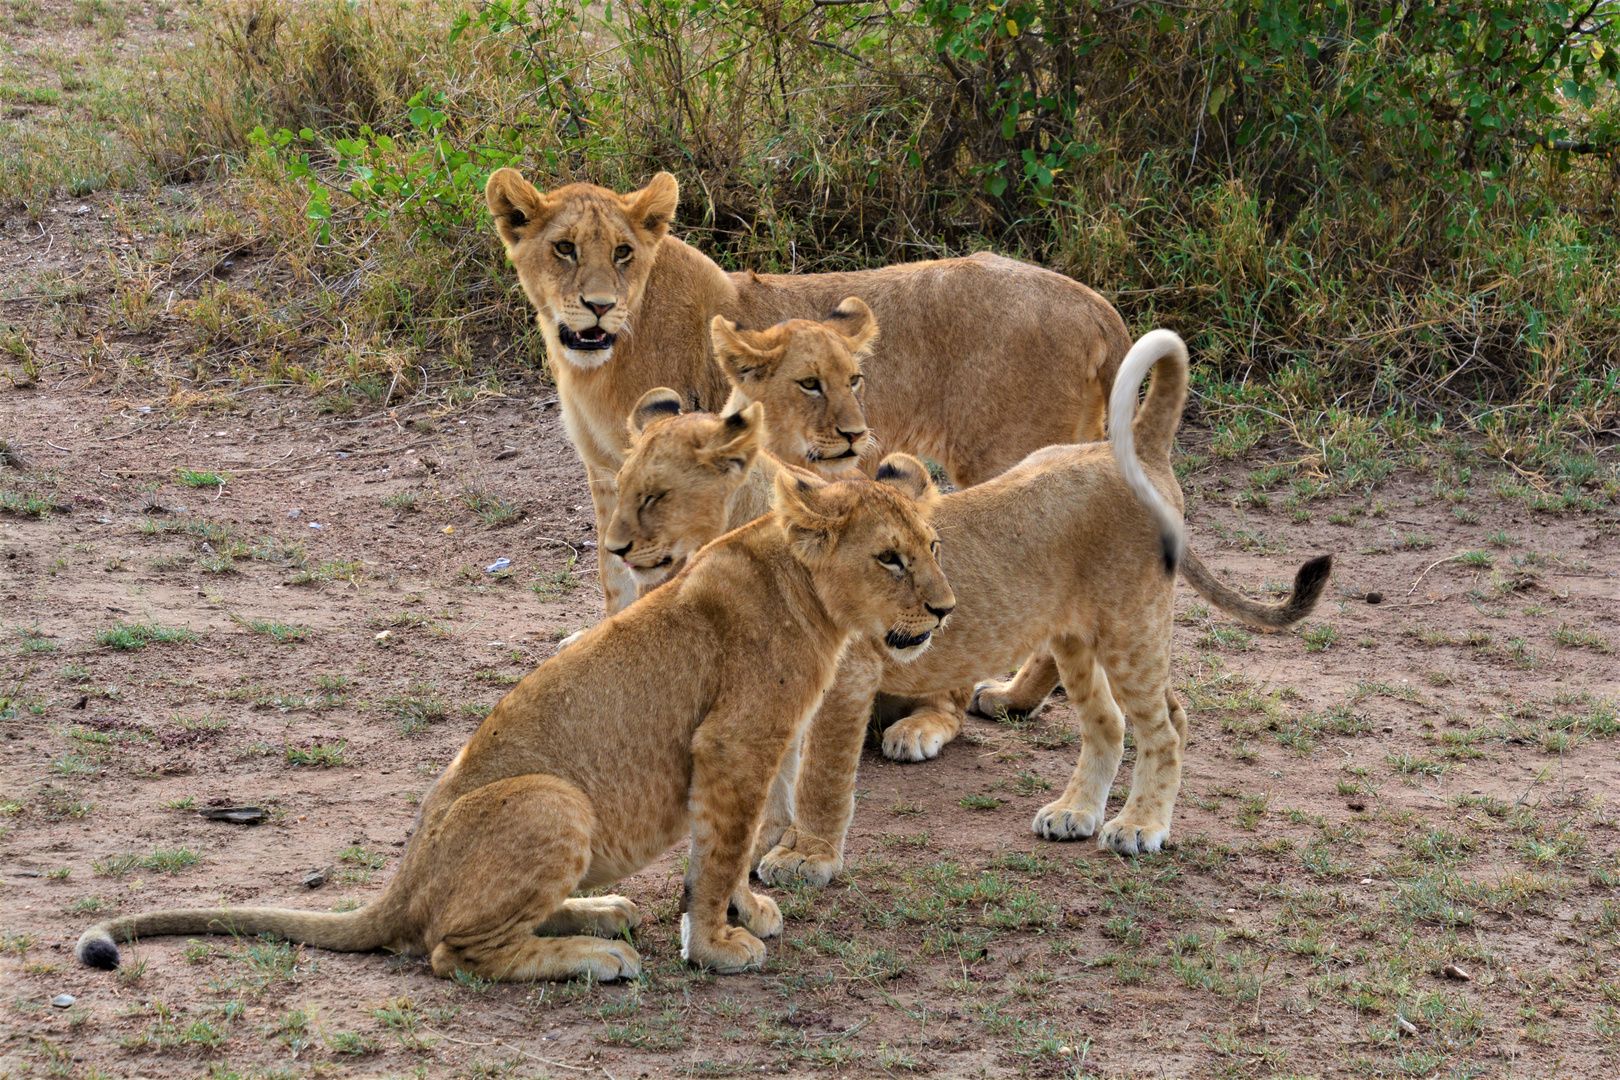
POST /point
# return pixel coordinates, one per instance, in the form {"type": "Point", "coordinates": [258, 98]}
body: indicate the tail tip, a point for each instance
{"type": "Point", "coordinates": [1170, 551]}
{"type": "Point", "coordinates": [1314, 575]}
{"type": "Point", "coordinates": [99, 952]}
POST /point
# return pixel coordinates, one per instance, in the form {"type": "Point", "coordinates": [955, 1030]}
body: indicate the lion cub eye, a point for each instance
{"type": "Point", "coordinates": [890, 561]}
{"type": "Point", "coordinates": [565, 248]}
{"type": "Point", "coordinates": [812, 385]}
{"type": "Point", "coordinates": [933, 548]}
{"type": "Point", "coordinates": [622, 252]}
{"type": "Point", "coordinates": [855, 381]}
{"type": "Point", "coordinates": [648, 500]}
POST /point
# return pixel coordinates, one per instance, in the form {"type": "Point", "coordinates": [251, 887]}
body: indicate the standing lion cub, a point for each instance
{"type": "Point", "coordinates": [675, 714]}
{"type": "Point", "coordinates": [982, 360]}
{"type": "Point", "coordinates": [1072, 551]}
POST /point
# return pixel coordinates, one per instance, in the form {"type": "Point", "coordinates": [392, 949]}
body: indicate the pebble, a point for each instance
{"type": "Point", "coordinates": [1375, 598]}
{"type": "Point", "coordinates": [497, 566]}
{"type": "Point", "coordinates": [63, 1001]}
{"type": "Point", "coordinates": [294, 512]}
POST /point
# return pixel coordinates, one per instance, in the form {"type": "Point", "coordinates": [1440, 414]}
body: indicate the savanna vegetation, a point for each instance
{"type": "Point", "coordinates": [1373, 222]}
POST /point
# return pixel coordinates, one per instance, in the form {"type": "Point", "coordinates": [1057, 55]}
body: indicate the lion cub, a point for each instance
{"type": "Point", "coordinates": [1072, 550]}
{"type": "Point", "coordinates": [673, 714]}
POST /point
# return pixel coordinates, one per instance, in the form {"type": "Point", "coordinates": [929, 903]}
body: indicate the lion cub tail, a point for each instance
{"type": "Point", "coordinates": [1309, 582]}
{"type": "Point", "coordinates": [371, 927]}
{"type": "Point", "coordinates": [1153, 426]}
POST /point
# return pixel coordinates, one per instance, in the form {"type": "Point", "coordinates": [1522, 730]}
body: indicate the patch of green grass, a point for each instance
{"type": "Point", "coordinates": [129, 636]}
{"type": "Point", "coordinates": [1318, 638]}
{"type": "Point", "coordinates": [280, 633]}
{"type": "Point", "coordinates": [979, 802]}
{"type": "Point", "coordinates": [328, 572]}
{"type": "Point", "coordinates": [202, 479]}
{"type": "Point", "coordinates": [1574, 638]}
{"type": "Point", "coordinates": [115, 866]}
{"type": "Point", "coordinates": [418, 708]}
{"type": "Point", "coordinates": [318, 755]}
{"type": "Point", "coordinates": [171, 860]}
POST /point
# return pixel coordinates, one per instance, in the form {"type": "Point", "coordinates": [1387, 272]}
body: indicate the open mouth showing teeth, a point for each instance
{"type": "Point", "coordinates": [590, 339]}
{"type": "Point", "coordinates": [896, 640]}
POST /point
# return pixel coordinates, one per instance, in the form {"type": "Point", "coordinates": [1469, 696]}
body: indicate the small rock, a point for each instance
{"type": "Point", "coordinates": [294, 512]}
{"type": "Point", "coordinates": [1405, 1025]}
{"type": "Point", "coordinates": [1452, 971]}
{"type": "Point", "coordinates": [64, 1001]}
{"type": "Point", "coordinates": [497, 566]}
{"type": "Point", "coordinates": [1356, 805]}
{"type": "Point", "coordinates": [236, 815]}
{"type": "Point", "coordinates": [1375, 598]}
{"type": "Point", "coordinates": [316, 878]}
{"type": "Point", "coordinates": [509, 452]}
{"type": "Point", "coordinates": [313, 525]}
{"type": "Point", "coordinates": [384, 636]}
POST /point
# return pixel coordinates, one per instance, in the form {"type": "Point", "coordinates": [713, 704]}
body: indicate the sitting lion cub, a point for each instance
{"type": "Point", "coordinates": [675, 713]}
{"type": "Point", "coordinates": [1069, 550]}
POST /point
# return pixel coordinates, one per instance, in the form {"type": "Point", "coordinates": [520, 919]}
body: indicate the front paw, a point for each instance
{"type": "Point", "coordinates": [569, 640]}
{"type": "Point", "coordinates": [994, 701]}
{"type": "Point", "coordinates": [1132, 837]}
{"type": "Point", "coordinates": [757, 913]}
{"type": "Point", "coordinates": [811, 862]}
{"type": "Point", "coordinates": [1057, 821]}
{"type": "Point", "coordinates": [728, 950]}
{"type": "Point", "coordinates": [917, 737]}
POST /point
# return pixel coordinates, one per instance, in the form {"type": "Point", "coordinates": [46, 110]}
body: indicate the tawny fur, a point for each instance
{"type": "Point", "coordinates": [982, 359]}
{"type": "Point", "coordinates": [698, 460]}
{"type": "Point", "coordinates": [1057, 553]}
{"type": "Point", "coordinates": [671, 716]}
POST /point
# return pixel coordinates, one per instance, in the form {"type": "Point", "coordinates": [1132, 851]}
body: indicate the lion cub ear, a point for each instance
{"type": "Point", "coordinates": [513, 202]}
{"type": "Point", "coordinates": [653, 207]}
{"type": "Point", "coordinates": [853, 321]}
{"type": "Point", "coordinates": [659, 403]}
{"type": "Point", "coordinates": [735, 442]}
{"type": "Point", "coordinates": [908, 475]}
{"type": "Point", "coordinates": [808, 514]}
{"type": "Point", "coordinates": [737, 356]}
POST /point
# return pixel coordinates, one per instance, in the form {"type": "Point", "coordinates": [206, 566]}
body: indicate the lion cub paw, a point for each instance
{"type": "Point", "coordinates": [1131, 837]}
{"type": "Point", "coordinates": [995, 701]}
{"type": "Point", "coordinates": [729, 950]}
{"type": "Point", "coordinates": [918, 737]}
{"type": "Point", "coordinates": [606, 961]}
{"type": "Point", "coordinates": [609, 916]}
{"type": "Point", "coordinates": [1056, 821]}
{"type": "Point", "coordinates": [757, 913]}
{"type": "Point", "coordinates": [808, 861]}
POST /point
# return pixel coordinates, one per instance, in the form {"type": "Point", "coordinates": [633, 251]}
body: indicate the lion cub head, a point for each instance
{"type": "Point", "coordinates": [676, 481]}
{"type": "Point", "coordinates": [870, 550]}
{"type": "Point", "coordinates": [808, 376]}
{"type": "Point", "coordinates": [583, 254]}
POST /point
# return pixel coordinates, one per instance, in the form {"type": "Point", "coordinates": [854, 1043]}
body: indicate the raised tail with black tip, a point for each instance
{"type": "Point", "coordinates": [1150, 430]}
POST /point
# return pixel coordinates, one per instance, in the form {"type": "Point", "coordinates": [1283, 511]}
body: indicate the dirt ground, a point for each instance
{"type": "Point", "coordinates": [1395, 853]}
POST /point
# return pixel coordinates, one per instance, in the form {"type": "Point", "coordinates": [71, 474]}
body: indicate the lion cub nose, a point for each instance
{"type": "Point", "coordinates": [598, 307]}
{"type": "Point", "coordinates": [852, 436]}
{"type": "Point", "coordinates": [940, 612]}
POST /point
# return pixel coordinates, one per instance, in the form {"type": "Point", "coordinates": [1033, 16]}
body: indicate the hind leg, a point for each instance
{"type": "Point", "coordinates": [1159, 728]}
{"type": "Point", "coordinates": [921, 734]}
{"type": "Point", "coordinates": [1023, 693]}
{"type": "Point", "coordinates": [1079, 812]}
{"type": "Point", "coordinates": [507, 855]}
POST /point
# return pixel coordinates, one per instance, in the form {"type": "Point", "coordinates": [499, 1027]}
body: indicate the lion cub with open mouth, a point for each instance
{"type": "Point", "coordinates": [674, 714]}
{"type": "Point", "coordinates": [1072, 551]}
